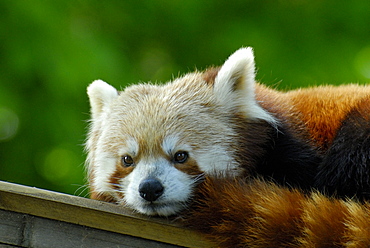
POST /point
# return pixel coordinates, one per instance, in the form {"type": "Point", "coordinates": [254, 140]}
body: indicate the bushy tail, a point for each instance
{"type": "Point", "coordinates": [235, 213]}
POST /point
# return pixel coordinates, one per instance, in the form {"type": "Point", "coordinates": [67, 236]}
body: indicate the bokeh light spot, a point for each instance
{"type": "Point", "coordinates": [362, 62]}
{"type": "Point", "coordinates": [9, 123]}
{"type": "Point", "coordinates": [58, 165]}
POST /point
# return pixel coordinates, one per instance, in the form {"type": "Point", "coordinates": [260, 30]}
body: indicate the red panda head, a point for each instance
{"type": "Point", "coordinates": [149, 145]}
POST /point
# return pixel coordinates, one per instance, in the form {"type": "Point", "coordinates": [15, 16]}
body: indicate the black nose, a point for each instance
{"type": "Point", "coordinates": [150, 189]}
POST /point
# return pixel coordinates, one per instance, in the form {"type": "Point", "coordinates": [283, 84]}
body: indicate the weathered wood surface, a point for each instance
{"type": "Point", "coordinates": [22, 230]}
{"type": "Point", "coordinates": [71, 221]}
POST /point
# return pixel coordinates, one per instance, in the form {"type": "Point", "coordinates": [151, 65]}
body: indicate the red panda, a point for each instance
{"type": "Point", "coordinates": [153, 148]}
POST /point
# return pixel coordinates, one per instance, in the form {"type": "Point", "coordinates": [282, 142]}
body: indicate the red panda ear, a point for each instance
{"type": "Point", "coordinates": [237, 72]}
{"type": "Point", "coordinates": [234, 86]}
{"type": "Point", "coordinates": [100, 94]}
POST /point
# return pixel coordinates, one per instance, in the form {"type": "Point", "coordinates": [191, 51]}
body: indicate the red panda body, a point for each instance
{"type": "Point", "coordinates": [259, 214]}
{"type": "Point", "coordinates": [199, 146]}
{"type": "Point", "coordinates": [336, 121]}
{"type": "Point", "coordinates": [321, 110]}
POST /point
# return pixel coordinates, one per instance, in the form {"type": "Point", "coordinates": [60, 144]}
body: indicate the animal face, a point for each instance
{"type": "Point", "coordinates": [150, 145]}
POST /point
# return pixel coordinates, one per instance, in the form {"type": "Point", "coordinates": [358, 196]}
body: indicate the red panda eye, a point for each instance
{"type": "Point", "coordinates": [180, 157]}
{"type": "Point", "coordinates": [127, 161]}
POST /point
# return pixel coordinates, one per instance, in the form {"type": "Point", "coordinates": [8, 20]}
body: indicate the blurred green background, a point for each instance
{"type": "Point", "coordinates": [51, 50]}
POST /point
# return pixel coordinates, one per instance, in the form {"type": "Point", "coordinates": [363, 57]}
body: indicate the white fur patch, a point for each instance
{"type": "Point", "coordinates": [104, 167]}
{"type": "Point", "coordinates": [131, 147]}
{"type": "Point", "coordinates": [171, 144]}
{"type": "Point", "coordinates": [234, 85]}
{"type": "Point", "coordinates": [217, 161]}
{"type": "Point", "coordinates": [100, 94]}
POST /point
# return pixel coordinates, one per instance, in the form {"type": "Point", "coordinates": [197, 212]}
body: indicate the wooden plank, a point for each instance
{"type": "Point", "coordinates": [29, 231]}
{"type": "Point", "coordinates": [11, 228]}
{"type": "Point", "coordinates": [96, 214]}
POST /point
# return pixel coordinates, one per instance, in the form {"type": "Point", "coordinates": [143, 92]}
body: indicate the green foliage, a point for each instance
{"type": "Point", "coordinates": [51, 50]}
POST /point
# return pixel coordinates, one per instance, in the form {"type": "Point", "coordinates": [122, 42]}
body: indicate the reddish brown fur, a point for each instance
{"type": "Point", "coordinates": [323, 220]}
{"type": "Point", "coordinates": [330, 105]}
{"type": "Point", "coordinates": [190, 167]}
{"type": "Point", "coordinates": [210, 74]}
{"type": "Point", "coordinates": [260, 214]}
{"type": "Point", "coordinates": [102, 197]}
{"type": "Point", "coordinates": [358, 230]}
{"type": "Point", "coordinates": [362, 109]}
{"type": "Point", "coordinates": [120, 172]}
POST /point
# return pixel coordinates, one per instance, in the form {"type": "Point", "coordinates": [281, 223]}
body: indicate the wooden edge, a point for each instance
{"type": "Point", "coordinates": [96, 214]}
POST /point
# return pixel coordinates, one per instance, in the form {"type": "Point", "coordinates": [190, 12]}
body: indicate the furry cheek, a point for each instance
{"type": "Point", "coordinates": [218, 161]}
{"type": "Point", "coordinates": [104, 166]}
{"type": "Point", "coordinates": [117, 176]}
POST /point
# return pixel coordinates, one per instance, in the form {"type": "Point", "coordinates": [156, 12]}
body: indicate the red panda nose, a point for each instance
{"type": "Point", "coordinates": [150, 189]}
